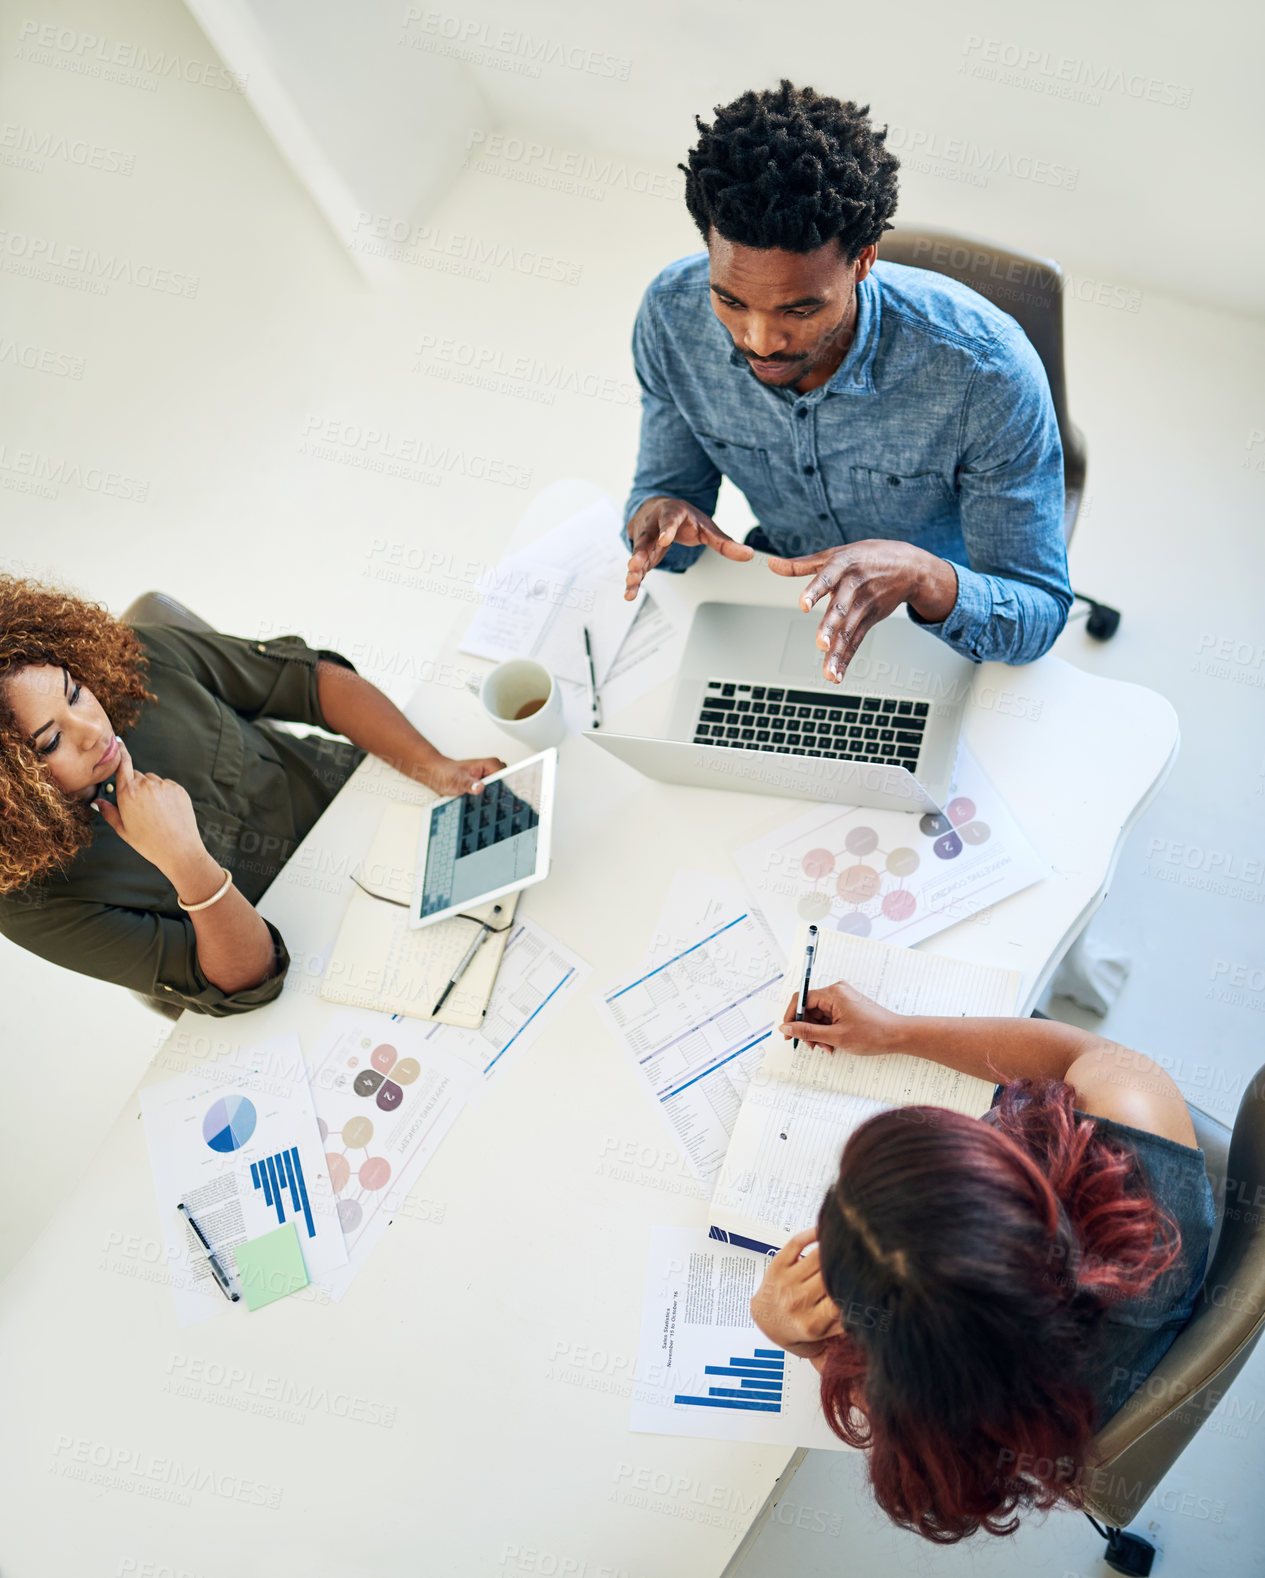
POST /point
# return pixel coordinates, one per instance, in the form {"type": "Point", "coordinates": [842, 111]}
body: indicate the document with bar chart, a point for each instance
{"type": "Point", "coordinates": [237, 1144]}
{"type": "Point", "coordinates": [704, 1368]}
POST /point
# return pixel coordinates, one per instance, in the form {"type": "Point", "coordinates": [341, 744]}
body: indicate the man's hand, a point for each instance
{"type": "Point", "coordinates": [865, 581]}
{"type": "Point", "coordinates": [840, 1017]}
{"type": "Point", "coordinates": [661, 522]}
{"type": "Point", "coordinates": [791, 1306]}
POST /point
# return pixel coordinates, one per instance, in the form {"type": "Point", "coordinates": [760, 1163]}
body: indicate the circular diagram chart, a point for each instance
{"type": "Point", "coordinates": [372, 1173]}
{"type": "Point", "coordinates": [861, 883]}
{"type": "Point", "coordinates": [229, 1123]}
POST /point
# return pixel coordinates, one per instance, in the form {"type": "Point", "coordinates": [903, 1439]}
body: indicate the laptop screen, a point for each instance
{"type": "Point", "coordinates": [481, 842]}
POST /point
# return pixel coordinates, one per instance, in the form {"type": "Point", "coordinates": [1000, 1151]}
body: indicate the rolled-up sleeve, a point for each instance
{"type": "Point", "coordinates": [671, 463]}
{"type": "Point", "coordinates": [259, 679]}
{"type": "Point", "coordinates": [1013, 592]}
{"type": "Point", "coordinates": [150, 953]}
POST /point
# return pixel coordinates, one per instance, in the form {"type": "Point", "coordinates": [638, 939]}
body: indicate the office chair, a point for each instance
{"type": "Point", "coordinates": [1138, 1446]}
{"type": "Point", "coordinates": [1030, 289]}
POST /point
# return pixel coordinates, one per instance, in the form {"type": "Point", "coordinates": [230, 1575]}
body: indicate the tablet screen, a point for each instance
{"type": "Point", "coordinates": [479, 843]}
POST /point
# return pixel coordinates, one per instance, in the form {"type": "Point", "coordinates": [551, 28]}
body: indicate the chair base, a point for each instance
{"type": "Point", "coordinates": [1128, 1553]}
{"type": "Point", "coordinates": [1103, 621]}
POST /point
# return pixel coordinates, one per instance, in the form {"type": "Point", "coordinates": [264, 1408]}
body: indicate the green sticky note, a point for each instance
{"type": "Point", "coordinates": [270, 1267]}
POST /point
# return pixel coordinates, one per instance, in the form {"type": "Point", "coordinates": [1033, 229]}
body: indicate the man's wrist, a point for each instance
{"type": "Point", "coordinates": [933, 593]}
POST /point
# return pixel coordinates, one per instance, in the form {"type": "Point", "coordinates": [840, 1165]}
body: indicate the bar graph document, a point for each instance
{"type": "Point", "coordinates": [238, 1143]}
{"type": "Point", "coordinates": [704, 1368]}
{"type": "Point", "coordinates": [801, 1105]}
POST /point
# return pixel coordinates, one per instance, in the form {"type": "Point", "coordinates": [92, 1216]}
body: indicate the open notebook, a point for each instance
{"type": "Point", "coordinates": [379, 962]}
{"type": "Point", "coordinates": [801, 1105]}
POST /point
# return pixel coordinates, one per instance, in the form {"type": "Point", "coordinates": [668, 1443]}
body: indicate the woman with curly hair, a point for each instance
{"type": "Point", "coordinates": [981, 1294]}
{"type": "Point", "coordinates": [145, 805]}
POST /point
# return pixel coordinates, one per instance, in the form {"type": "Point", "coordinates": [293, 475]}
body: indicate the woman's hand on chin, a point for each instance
{"type": "Point", "coordinates": [155, 816]}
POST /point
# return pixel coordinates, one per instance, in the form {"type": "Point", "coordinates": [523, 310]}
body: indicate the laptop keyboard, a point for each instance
{"type": "Point", "coordinates": [811, 723]}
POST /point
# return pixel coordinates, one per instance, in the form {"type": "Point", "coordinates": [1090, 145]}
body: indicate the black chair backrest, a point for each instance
{"type": "Point", "coordinates": [1029, 288]}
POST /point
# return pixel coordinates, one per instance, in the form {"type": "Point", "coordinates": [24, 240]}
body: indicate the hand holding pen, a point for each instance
{"type": "Point", "coordinates": [838, 1018]}
{"type": "Point", "coordinates": [810, 953]}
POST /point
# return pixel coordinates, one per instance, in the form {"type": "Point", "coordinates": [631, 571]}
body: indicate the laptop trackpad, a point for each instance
{"type": "Point", "coordinates": [801, 656]}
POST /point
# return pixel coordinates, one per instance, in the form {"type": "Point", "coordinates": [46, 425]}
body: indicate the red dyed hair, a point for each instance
{"type": "Point", "coordinates": [971, 1263]}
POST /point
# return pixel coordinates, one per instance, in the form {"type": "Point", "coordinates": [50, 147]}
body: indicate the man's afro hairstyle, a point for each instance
{"type": "Point", "coordinates": [793, 169]}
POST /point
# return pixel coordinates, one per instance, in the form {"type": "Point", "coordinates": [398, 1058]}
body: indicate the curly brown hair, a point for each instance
{"type": "Point", "coordinates": [42, 828]}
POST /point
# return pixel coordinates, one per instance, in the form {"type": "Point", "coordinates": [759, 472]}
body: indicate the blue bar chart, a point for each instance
{"type": "Point", "coordinates": [753, 1384]}
{"type": "Point", "coordinates": [274, 1174]}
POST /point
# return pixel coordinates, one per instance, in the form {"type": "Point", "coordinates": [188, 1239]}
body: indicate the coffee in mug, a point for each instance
{"type": "Point", "coordinates": [522, 698]}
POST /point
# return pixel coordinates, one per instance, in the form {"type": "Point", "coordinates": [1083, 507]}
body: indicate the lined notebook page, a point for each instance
{"type": "Point", "coordinates": [379, 962]}
{"type": "Point", "coordinates": [802, 1105]}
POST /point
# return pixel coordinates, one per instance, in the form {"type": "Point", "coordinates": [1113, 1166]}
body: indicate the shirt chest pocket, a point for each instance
{"type": "Point", "coordinates": [746, 466]}
{"type": "Point", "coordinates": [901, 503]}
{"type": "Point", "coordinates": [229, 756]}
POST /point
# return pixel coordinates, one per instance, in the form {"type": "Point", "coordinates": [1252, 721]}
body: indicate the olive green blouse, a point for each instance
{"type": "Point", "coordinates": [256, 791]}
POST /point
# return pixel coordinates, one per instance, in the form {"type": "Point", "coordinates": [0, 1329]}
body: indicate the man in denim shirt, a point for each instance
{"type": "Point", "coordinates": [892, 430]}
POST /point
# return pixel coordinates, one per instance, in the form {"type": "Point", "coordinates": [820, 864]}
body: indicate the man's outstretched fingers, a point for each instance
{"type": "Point", "coordinates": [723, 543]}
{"type": "Point", "coordinates": [845, 642]}
{"type": "Point", "coordinates": [649, 548]}
{"type": "Point", "coordinates": [834, 620]}
{"type": "Point", "coordinates": [806, 564]}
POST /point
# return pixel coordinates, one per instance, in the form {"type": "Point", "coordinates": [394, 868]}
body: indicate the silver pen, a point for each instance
{"type": "Point", "coordinates": [588, 652]}
{"type": "Point", "coordinates": [809, 951]}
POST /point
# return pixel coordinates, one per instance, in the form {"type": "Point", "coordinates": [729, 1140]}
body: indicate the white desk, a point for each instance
{"type": "Point", "coordinates": [464, 1410]}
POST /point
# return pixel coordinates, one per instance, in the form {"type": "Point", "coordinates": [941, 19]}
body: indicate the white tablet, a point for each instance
{"type": "Point", "coordinates": [476, 847]}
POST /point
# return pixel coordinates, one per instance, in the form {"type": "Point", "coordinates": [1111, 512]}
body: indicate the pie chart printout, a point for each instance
{"type": "Point", "coordinates": [229, 1123]}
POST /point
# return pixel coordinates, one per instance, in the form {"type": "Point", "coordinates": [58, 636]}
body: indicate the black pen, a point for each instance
{"type": "Point", "coordinates": [221, 1276]}
{"type": "Point", "coordinates": [809, 951]}
{"type": "Point", "coordinates": [588, 652]}
{"type": "Point", "coordinates": [484, 928]}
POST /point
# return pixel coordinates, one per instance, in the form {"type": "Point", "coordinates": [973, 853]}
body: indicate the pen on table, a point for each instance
{"type": "Point", "coordinates": [588, 652]}
{"type": "Point", "coordinates": [484, 928]}
{"type": "Point", "coordinates": [221, 1276]}
{"type": "Point", "coordinates": [809, 951]}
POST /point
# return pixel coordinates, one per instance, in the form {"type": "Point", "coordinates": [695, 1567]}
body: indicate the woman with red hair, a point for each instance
{"type": "Point", "coordinates": [981, 1294]}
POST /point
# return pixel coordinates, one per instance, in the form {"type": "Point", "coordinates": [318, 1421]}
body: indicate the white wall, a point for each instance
{"type": "Point", "coordinates": [369, 124]}
{"type": "Point", "coordinates": [1161, 194]}
{"type": "Point", "coordinates": [1129, 147]}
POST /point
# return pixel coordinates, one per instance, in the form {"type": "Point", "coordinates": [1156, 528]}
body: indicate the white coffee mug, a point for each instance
{"type": "Point", "coordinates": [510, 689]}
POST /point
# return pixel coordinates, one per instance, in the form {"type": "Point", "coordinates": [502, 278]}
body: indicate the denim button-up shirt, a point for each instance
{"type": "Point", "coordinates": [936, 429]}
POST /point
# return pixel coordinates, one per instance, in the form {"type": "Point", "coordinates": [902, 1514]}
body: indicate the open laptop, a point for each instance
{"type": "Point", "coordinates": [752, 712]}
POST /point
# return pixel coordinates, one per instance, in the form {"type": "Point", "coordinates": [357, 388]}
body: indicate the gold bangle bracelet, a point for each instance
{"type": "Point", "coordinates": [215, 897]}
